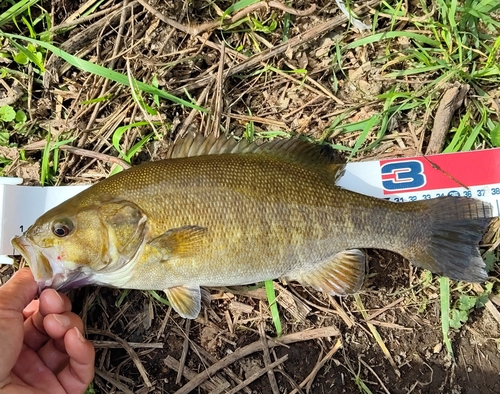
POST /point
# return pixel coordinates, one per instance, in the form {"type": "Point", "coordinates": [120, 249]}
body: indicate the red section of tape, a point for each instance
{"type": "Point", "coordinates": [464, 169]}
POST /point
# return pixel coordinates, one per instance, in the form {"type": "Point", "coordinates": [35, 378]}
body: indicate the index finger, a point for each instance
{"type": "Point", "coordinates": [50, 302]}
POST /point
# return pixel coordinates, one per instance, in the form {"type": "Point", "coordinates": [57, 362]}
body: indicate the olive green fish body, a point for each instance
{"type": "Point", "coordinates": [264, 218]}
{"type": "Point", "coordinates": [231, 214]}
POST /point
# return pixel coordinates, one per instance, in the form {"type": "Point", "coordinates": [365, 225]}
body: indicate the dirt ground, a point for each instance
{"type": "Point", "coordinates": [387, 340]}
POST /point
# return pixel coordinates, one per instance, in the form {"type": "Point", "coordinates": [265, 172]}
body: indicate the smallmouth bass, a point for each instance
{"type": "Point", "coordinates": [223, 213]}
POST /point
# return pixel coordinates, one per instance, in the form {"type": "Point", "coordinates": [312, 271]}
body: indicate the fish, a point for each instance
{"type": "Point", "coordinates": [218, 212]}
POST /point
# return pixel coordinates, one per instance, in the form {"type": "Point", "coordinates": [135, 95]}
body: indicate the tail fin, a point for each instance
{"type": "Point", "coordinates": [456, 225]}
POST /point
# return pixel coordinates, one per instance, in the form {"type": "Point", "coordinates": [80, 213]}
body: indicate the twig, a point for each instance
{"type": "Point", "coordinates": [133, 345]}
{"type": "Point", "coordinates": [120, 386]}
{"type": "Point", "coordinates": [290, 10]}
{"type": "Point", "coordinates": [164, 323]}
{"type": "Point", "coordinates": [310, 378]}
{"type": "Point", "coordinates": [13, 94]}
{"type": "Point", "coordinates": [218, 95]}
{"type": "Point", "coordinates": [183, 129]}
{"type": "Point", "coordinates": [258, 374]}
{"type": "Point", "coordinates": [95, 155]}
{"type": "Point", "coordinates": [202, 353]}
{"type": "Point", "coordinates": [329, 331]}
{"type": "Point", "coordinates": [185, 348]}
{"type": "Point", "coordinates": [267, 358]}
{"type": "Point", "coordinates": [294, 42]}
{"type": "Point", "coordinates": [131, 352]}
{"type": "Point", "coordinates": [376, 335]}
{"type": "Point", "coordinates": [451, 101]}
{"type": "Point", "coordinates": [82, 152]}
{"type": "Point", "coordinates": [73, 22]}
{"type": "Point", "coordinates": [197, 30]}
{"type": "Point", "coordinates": [339, 311]}
{"type": "Point", "coordinates": [257, 119]}
{"type": "Point", "coordinates": [374, 374]}
{"type": "Point", "coordinates": [385, 308]}
{"type": "Point", "coordinates": [173, 364]}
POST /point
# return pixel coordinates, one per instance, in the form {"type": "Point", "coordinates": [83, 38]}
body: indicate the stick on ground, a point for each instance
{"type": "Point", "coordinates": [451, 101]}
{"type": "Point", "coordinates": [255, 347]}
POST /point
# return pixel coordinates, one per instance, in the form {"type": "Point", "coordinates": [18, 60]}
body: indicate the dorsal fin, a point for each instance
{"type": "Point", "coordinates": [308, 154]}
{"type": "Point", "coordinates": [199, 145]}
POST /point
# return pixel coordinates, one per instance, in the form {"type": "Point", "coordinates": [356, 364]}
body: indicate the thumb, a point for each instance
{"type": "Point", "coordinates": [15, 295]}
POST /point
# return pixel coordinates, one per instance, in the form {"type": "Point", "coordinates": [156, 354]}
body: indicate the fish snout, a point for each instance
{"type": "Point", "coordinates": [40, 266]}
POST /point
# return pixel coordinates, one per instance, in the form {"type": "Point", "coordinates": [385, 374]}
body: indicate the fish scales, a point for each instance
{"type": "Point", "coordinates": [242, 215]}
{"type": "Point", "coordinates": [281, 212]}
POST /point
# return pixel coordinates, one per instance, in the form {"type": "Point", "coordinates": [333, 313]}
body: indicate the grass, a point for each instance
{"type": "Point", "coordinates": [94, 69]}
{"type": "Point", "coordinates": [130, 152]}
{"type": "Point", "coordinates": [411, 57]}
{"type": "Point", "coordinates": [444, 294]}
{"type": "Point", "coordinates": [455, 50]}
{"type": "Point", "coordinates": [273, 306]}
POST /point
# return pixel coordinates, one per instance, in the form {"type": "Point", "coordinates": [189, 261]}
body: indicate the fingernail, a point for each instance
{"type": "Point", "coordinates": [62, 320]}
{"type": "Point", "coordinates": [59, 297]}
{"type": "Point", "coordinates": [80, 336]}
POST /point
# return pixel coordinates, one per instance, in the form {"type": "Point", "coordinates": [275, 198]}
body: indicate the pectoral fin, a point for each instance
{"type": "Point", "coordinates": [186, 300]}
{"type": "Point", "coordinates": [179, 242]}
{"type": "Point", "coordinates": [341, 275]}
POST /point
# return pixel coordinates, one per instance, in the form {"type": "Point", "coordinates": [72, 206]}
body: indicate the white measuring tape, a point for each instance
{"type": "Point", "coordinates": [470, 174]}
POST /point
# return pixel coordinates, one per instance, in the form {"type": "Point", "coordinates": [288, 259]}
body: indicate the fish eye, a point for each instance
{"type": "Point", "coordinates": [62, 228]}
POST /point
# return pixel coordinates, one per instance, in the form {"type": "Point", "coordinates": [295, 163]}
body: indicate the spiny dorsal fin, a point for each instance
{"type": "Point", "coordinates": [311, 155]}
{"type": "Point", "coordinates": [199, 145]}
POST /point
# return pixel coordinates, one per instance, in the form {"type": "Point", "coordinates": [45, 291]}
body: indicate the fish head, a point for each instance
{"type": "Point", "coordinates": [69, 246]}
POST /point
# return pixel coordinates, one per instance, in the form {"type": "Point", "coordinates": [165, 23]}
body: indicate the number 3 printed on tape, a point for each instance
{"type": "Point", "coordinates": [403, 175]}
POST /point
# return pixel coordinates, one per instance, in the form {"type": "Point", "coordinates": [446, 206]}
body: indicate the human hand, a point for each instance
{"type": "Point", "coordinates": [42, 348]}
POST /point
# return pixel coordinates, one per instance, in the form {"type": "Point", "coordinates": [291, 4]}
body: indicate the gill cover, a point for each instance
{"type": "Point", "coordinates": [126, 226]}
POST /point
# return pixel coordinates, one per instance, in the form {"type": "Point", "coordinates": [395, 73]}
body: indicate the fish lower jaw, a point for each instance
{"type": "Point", "coordinates": [46, 284]}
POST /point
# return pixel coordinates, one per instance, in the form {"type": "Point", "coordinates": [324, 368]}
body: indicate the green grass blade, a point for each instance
{"type": "Point", "coordinates": [273, 305]}
{"type": "Point", "coordinates": [103, 71]}
{"type": "Point", "coordinates": [30, 55]}
{"type": "Point", "coordinates": [239, 5]}
{"type": "Point", "coordinates": [13, 12]}
{"type": "Point", "coordinates": [444, 295]}
{"type": "Point", "coordinates": [469, 143]}
{"type": "Point", "coordinates": [362, 137]}
{"type": "Point", "coordinates": [392, 34]}
{"type": "Point", "coordinates": [414, 71]}
{"type": "Point", "coordinates": [459, 136]}
{"type": "Point", "coordinates": [44, 167]}
{"type": "Point", "coordinates": [123, 294]}
{"type": "Point", "coordinates": [118, 134]}
{"type": "Point", "coordinates": [159, 298]}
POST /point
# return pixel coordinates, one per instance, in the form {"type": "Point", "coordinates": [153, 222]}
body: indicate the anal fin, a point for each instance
{"type": "Point", "coordinates": [186, 300]}
{"type": "Point", "coordinates": [343, 274]}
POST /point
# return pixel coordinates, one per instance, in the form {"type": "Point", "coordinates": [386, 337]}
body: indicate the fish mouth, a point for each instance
{"type": "Point", "coordinates": [47, 269]}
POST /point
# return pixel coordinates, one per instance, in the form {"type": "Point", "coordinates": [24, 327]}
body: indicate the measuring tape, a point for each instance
{"type": "Point", "coordinates": [469, 174]}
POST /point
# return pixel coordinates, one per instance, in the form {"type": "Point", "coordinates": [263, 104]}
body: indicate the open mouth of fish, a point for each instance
{"type": "Point", "coordinates": [47, 270]}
